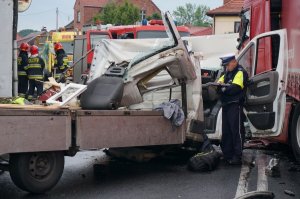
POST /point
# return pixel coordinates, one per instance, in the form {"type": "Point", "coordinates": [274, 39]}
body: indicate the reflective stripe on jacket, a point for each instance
{"type": "Point", "coordinates": [238, 79]}
{"type": "Point", "coordinates": [22, 73]}
{"type": "Point", "coordinates": [61, 61]}
{"type": "Point", "coordinates": [35, 68]}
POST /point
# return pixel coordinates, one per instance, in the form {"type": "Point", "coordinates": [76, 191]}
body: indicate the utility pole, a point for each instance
{"type": "Point", "coordinates": [56, 19]}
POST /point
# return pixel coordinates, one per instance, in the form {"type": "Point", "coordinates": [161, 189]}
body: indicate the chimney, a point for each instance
{"type": "Point", "coordinates": [226, 1]}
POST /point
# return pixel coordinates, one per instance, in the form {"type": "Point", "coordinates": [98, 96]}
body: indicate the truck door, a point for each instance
{"type": "Point", "coordinates": [266, 93]}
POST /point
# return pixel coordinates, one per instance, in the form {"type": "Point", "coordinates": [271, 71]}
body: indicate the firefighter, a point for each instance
{"type": "Point", "coordinates": [61, 60]}
{"type": "Point", "coordinates": [233, 91]}
{"type": "Point", "coordinates": [22, 76]}
{"type": "Point", "coordinates": [34, 71]}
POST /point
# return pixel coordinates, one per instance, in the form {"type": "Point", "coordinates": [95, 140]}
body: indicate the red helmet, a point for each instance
{"type": "Point", "coordinates": [58, 46]}
{"type": "Point", "coordinates": [34, 50]}
{"type": "Point", "coordinates": [24, 46]}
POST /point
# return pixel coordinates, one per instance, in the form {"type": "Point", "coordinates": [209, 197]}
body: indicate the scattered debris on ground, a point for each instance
{"type": "Point", "coordinates": [272, 169]}
{"type": "Point", "coordinates": [294, 168]}
{"type": "Point", "coordinates": [203, 162]}
{"type": "Point", "coordinates": [289, 192]}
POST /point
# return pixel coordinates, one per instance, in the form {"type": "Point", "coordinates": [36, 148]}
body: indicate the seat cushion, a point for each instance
{"type": "Point", "coordinates": [104, 93]}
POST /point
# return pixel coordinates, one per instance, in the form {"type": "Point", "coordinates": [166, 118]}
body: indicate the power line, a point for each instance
{"type": "Point", "coordinates": [64, 13]}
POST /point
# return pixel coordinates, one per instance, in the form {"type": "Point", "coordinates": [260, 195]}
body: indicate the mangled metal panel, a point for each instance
{"type": "Point", "coordinates": [211, 47]}
{"type": "Point", "coordinates": [119, 51]}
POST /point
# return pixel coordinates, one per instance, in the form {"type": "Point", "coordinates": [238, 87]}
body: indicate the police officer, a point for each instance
{"type": "Point", "coordinates": [22, 76]}
{"type": "Point", "coordinates": [34, 71]}
{"type": "Point", "coordinates": [61, 60]}
{"type": "Point", "coordinates": [233, 90]}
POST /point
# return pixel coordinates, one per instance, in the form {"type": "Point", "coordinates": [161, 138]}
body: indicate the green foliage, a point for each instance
{"type": "Point", "coordinates": [25, 32]}
{"type": "Point", "coordinates": [125, 14]}
{"type": "Point", "coordinates": [192, 14]}
{"type": "Point", "coordinates": [155, 16]}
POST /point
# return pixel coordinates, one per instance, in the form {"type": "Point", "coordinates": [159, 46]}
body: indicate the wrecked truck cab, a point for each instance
{"type": "Point", "coordinates": [167, 57]}
{"type": "Point", "coordinates": [158, 70]}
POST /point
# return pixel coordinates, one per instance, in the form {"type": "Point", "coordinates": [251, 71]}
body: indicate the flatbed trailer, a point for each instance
{"type": "Point", "coordinates": [37, 139]}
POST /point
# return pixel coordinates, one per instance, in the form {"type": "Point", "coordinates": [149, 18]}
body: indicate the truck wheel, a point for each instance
{"type": "Point", "coordinates": [295, 133]}
{"type": "Point", "coordinates": [36, 172]}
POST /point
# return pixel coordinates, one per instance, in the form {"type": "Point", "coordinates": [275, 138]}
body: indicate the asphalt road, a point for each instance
{"type": "Point", "coordinates": [163, 179]}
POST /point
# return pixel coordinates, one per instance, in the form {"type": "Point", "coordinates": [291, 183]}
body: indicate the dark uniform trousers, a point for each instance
{"type": "Point", "coordinates": [233, 130]}
{"type": "Point", "coordinates": [22, 85]}
{"type": "Point", "coordinates": [232, 97]}
{"type": "Point", "coordinates": [32, 85]}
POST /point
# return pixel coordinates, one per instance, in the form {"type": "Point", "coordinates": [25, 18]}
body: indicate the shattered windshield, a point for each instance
{"type": "Point", "coordinates": [161, 45]}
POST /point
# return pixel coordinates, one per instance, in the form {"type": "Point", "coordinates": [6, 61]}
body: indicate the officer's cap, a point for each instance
{"type": "Point", "coordinates": [227, 58]}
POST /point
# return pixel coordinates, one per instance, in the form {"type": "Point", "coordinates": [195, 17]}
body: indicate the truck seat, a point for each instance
{"type": "Point", "coordinates": [209, 94]}
{"type": "Point", "coordinates": [104, 93]}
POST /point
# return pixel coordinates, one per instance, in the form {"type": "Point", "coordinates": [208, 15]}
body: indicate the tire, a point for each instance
{"type": "Point", "coordinates": [36, 172]}
{"type": "Point", "coordinates": [295, 133]}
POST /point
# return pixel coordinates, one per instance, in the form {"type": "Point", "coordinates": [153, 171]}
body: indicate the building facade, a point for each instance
{"type": "Point", "coordinates": [85, 10]}
{"type": "Point", "coordinates": [226, 18]}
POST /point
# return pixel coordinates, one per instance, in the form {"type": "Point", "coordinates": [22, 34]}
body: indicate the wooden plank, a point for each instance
{"type": "Point", "coordinates": [31, 107]}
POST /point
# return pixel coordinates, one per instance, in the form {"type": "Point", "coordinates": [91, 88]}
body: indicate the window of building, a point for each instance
{"type": "Point", "coordinates": [78, 17]}
{"type": "Point", "coordinates": [237, 25]}
{"type": "Point", "coordinates": [143, 14]}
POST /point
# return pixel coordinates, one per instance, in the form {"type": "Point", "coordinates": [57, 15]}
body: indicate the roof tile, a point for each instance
{"type": "Point", "coordinates": [232, 7]}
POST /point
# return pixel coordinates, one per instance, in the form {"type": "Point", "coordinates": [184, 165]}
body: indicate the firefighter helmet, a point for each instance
{"type": "Point", "coordinates": [34, 50]}
{"type": "Point", "coordinates": [24, 46]}
{"type": "Point", "coordinates": [58, 46]}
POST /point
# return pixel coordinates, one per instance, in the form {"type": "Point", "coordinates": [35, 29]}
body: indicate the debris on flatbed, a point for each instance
{"type": "Point", "coordinates": [67, 94]}
{"type": "Point", "coordinates": [6, 100]}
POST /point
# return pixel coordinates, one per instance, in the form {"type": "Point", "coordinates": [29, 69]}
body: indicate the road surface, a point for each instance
{"type": "Point", "coordinates": [163, 179]}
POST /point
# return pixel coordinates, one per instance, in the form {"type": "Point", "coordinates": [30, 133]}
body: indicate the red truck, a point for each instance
{"type": "Point", "coordinates": [273, 54]}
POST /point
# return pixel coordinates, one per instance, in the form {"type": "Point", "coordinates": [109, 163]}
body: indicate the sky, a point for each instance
{"type": "Point", "coordinates": [43, 12]}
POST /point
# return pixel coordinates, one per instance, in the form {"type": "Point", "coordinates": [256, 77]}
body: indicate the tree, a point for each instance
{"type": "Point", "coordinates": [154, 16]}
{"type": "Point", "coordinates": [192, 14]}
{"type": "Point", "coordinates": [25, 32]}
{"type": "Point", "coordinates": [125, 14]}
